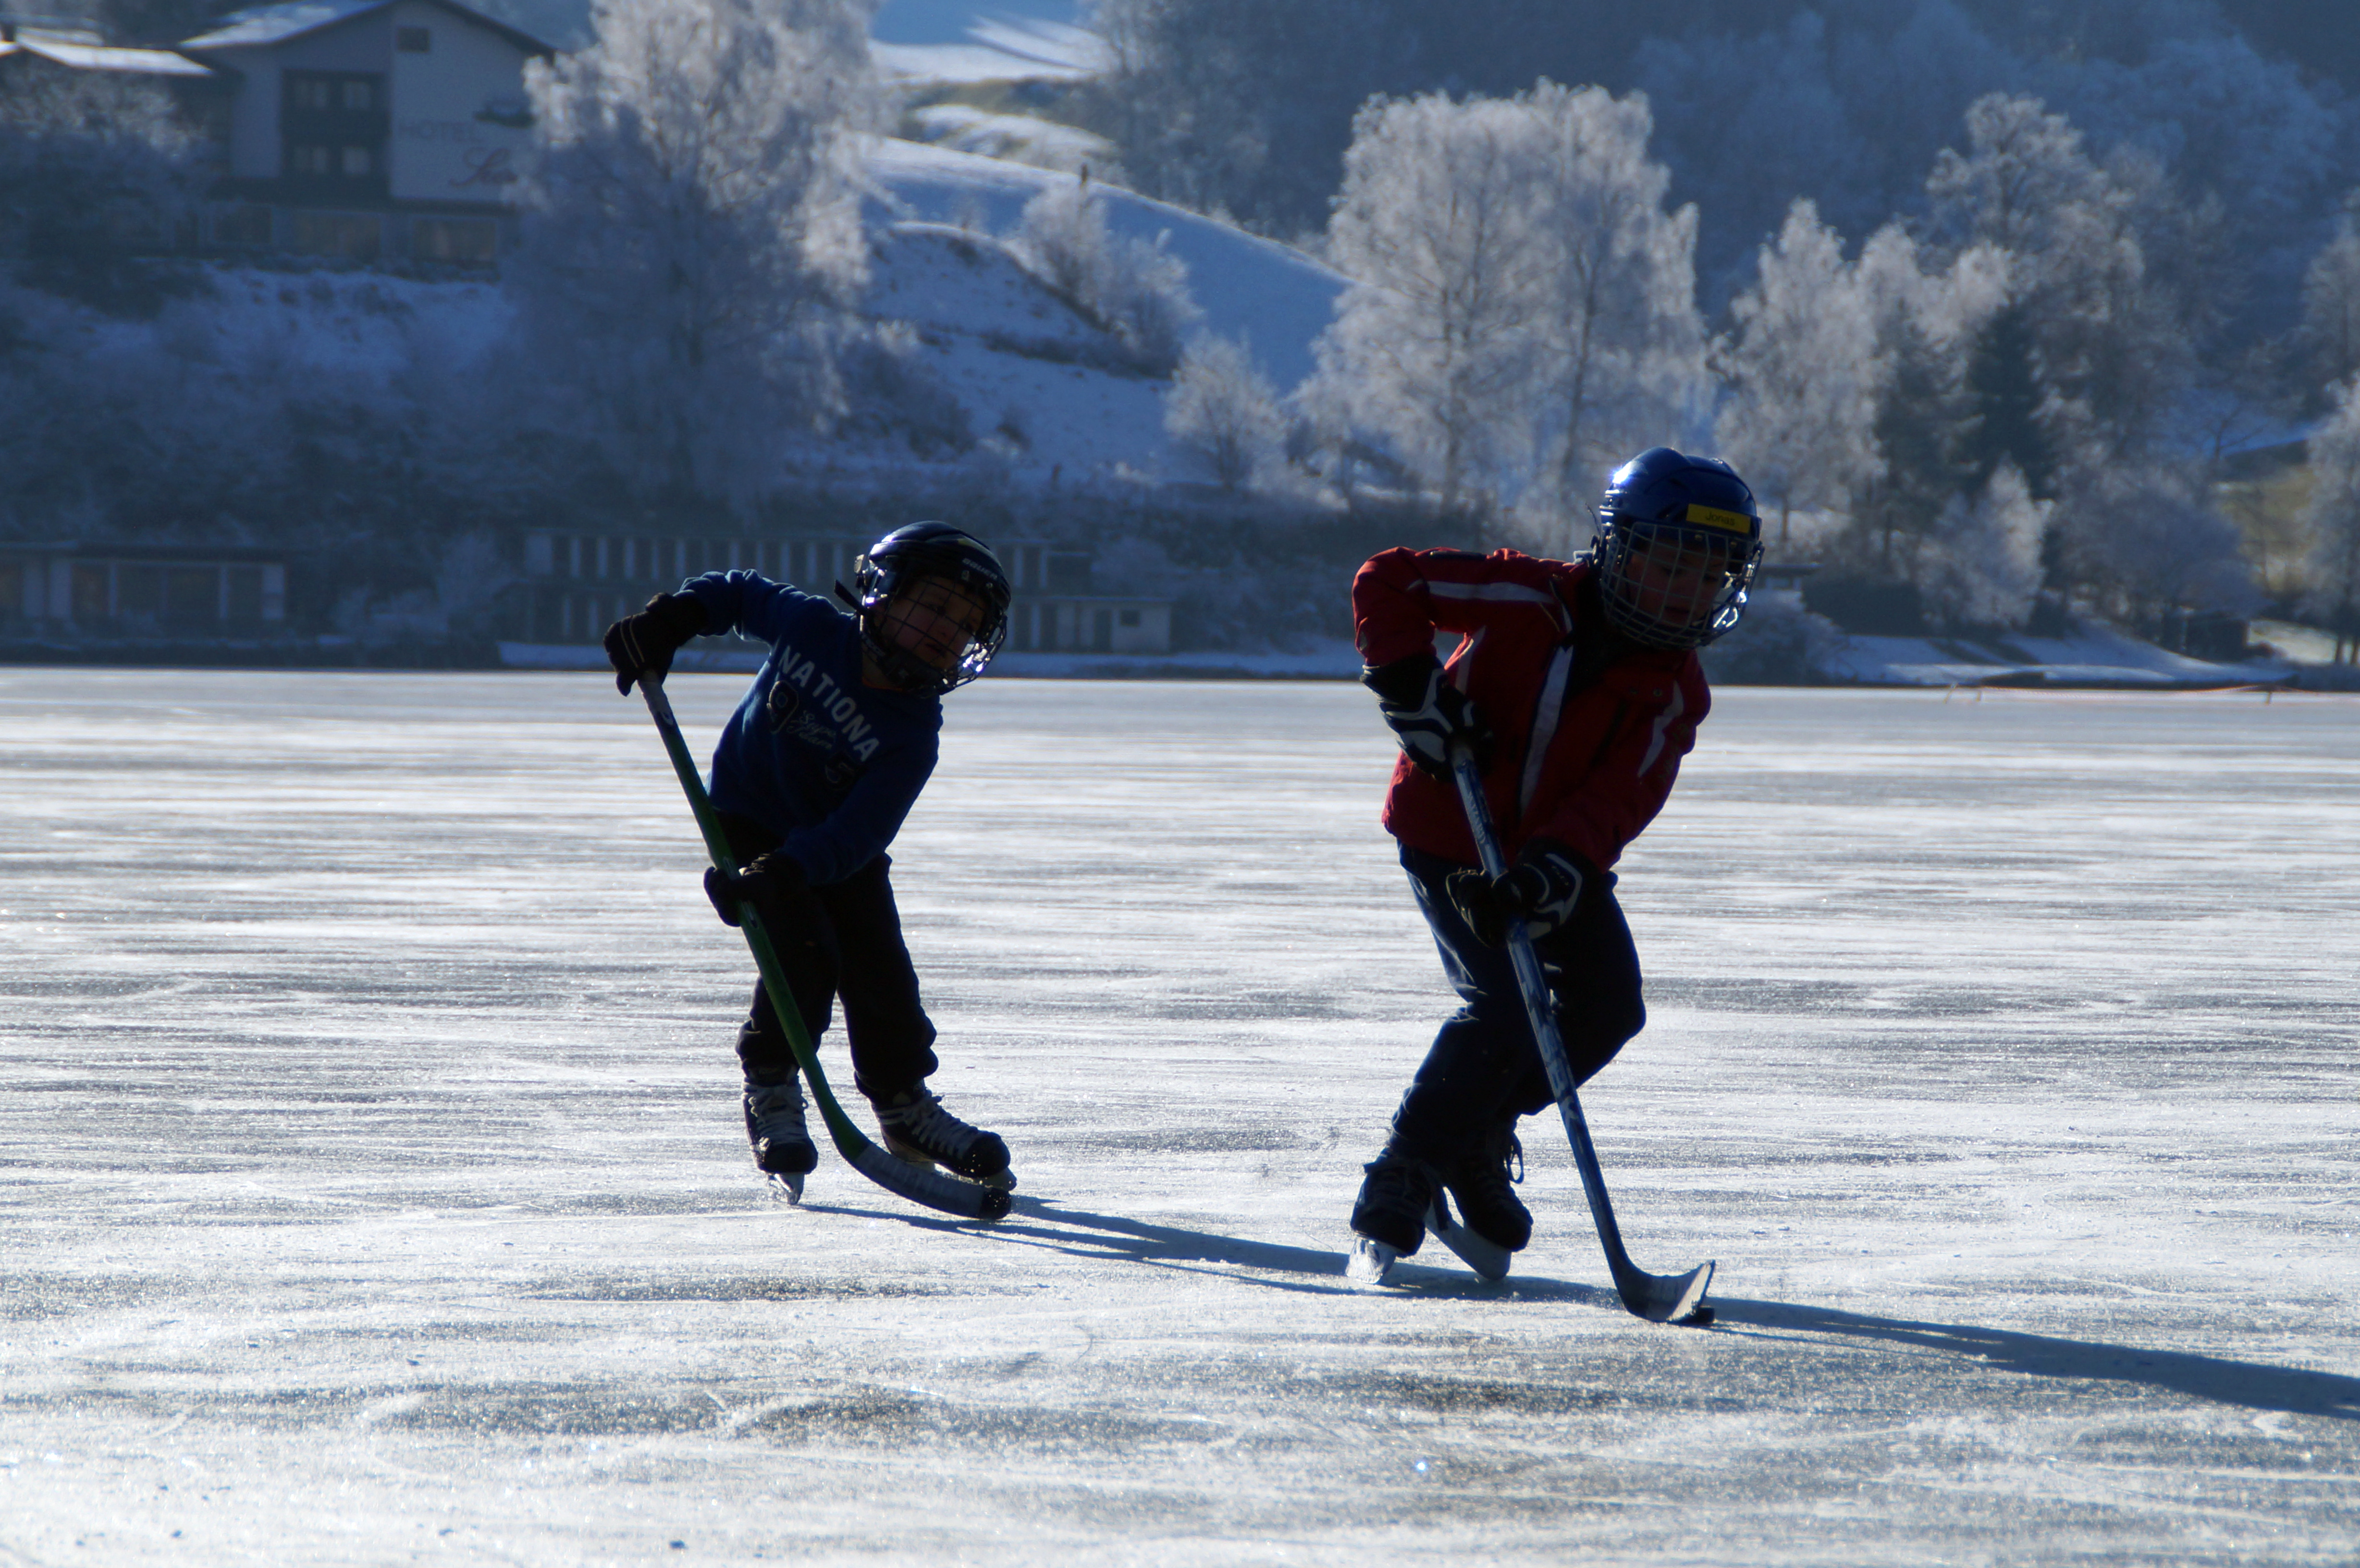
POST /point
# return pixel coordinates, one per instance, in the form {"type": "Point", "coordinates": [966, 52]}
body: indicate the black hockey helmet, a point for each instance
{"type": "Point", "coordinates": [906, 569]}
{"type": "Point", "coordinates": [1679, 538]}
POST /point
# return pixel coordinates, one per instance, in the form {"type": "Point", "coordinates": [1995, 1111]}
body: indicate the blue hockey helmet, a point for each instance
{"type": "Point", "coordinates": [1679, 538]}
{"type": "Point", "coordinates": [927, 571]}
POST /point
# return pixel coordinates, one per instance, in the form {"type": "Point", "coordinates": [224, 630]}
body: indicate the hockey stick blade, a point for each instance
{"type": "Point", "coordinates": [920, 1184]}
{"type": "Point", "coordinates": [925, 1184]}
{"type": "Point", "coordinates": [1486, 1256]}
{"type": "Point", "coordinates": [1667, 1298]}
{"type": "Point", "coordinates": [1658, 1297]}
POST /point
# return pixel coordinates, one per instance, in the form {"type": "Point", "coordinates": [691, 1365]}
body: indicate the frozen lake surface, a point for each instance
{"type": "Point", "coordinates": [375, 1190]}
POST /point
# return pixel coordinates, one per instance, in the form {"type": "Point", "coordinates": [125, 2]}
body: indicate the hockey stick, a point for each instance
{"type": "Point", "coordinates": [1659, 1297]}
{"type": "Point", "coordinates": [918, 1184]}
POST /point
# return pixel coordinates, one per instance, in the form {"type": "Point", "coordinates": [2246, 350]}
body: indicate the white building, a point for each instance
{"type": "Point", "coordinates": [367, 128]}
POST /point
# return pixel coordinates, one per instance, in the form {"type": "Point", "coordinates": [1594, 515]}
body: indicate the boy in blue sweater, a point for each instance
{"type": "Point", "coordinates": [813, 778]}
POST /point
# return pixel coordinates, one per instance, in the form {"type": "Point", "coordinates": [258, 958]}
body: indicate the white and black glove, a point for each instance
{"type": "Point", "coordinates": [1428, 714]}
{"type": "Point", "coordinates": [1541, 889]}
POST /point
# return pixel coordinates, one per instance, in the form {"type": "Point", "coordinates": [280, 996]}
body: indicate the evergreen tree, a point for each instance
{"type": "Point", "coordinates": [2004, 391]}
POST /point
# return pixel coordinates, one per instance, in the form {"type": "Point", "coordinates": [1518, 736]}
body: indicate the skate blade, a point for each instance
{"type": "Point", "coordinates": [1486, 1256]}
{"type": "Point", "coordinates": [786, 1189]}
{"type": "Point", "coordinates": [1371, 1262]}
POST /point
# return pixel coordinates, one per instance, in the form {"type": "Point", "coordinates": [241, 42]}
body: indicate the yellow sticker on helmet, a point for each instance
{"type": "Point", "coordinates": [1714, 517]}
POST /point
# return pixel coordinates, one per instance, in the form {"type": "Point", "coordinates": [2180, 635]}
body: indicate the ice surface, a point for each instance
{"type": "Point", "coordinates": [375, 1188]}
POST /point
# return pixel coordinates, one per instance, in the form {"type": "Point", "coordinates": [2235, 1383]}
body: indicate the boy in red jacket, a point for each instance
{"type": "Point", "coordinates": [1578, 685]}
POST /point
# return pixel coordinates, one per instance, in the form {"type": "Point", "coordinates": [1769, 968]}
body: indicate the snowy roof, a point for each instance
{"type": "Point", "coordinates": [1002, 51]}
{"type": "Point", "coordinates": [79, 56]}
{"type": "Point", "coordinates": [263, 25]}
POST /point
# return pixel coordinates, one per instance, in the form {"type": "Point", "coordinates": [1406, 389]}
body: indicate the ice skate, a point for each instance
{"type": "Point", "coordinates": [1493, 1222]}
{"type": "Point", "coordinates": [917, 1128]}
{"type": "Point", "coordinates": [782, 1144]}
{"type": "Point", "coordinates": [1389, 1217]}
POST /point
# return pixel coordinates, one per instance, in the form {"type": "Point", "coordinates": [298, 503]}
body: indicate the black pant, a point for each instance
{"type": "Point", "coordinates": [840, 941]}
{"type": "Point", "coordinates": [1483, 1068]}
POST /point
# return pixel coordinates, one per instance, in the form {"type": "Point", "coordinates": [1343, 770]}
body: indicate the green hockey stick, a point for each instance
{"type": "Point", "coordinates": [1661, 1298]}
{"type": "Point", "coordinates": [918, 1184]}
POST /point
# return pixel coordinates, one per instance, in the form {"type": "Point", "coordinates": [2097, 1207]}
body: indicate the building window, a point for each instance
{"type": "Point", "coordinates": [1129, 618]}
{"type": "Point", "coordinates": [357, 236]}
{"type": "Point", "coordinates": [246, 595]}
{"type": "Point", "coordinates": [413, 41]}
{"type": "Point", "coordinates": [333, 127]}
{"type": "Point", "coordinates": [243, 226]}
{"type": "Point", "coordinates": [474, 241]}
{"type": "Point", "coordinates": [139, 591]}
{"type": "Point", "coordinates": [192, 599]}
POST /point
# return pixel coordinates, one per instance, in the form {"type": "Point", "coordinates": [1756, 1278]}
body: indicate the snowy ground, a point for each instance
{"type": "Point", "coordinates": [374, 1191]}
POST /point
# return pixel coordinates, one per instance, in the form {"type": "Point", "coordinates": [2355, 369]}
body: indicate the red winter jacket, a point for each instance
{"type": "Point", "coordinates": [1586, 765]}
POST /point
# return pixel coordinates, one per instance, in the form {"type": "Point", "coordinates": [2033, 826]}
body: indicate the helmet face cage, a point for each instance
{"type": "Point", "coordinates": [926, 582]}
{"type": "Point", "coordinates": [1675, 584]}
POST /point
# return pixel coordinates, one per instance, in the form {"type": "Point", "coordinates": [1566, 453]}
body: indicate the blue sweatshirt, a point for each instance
{"type": "Point", "coordinates": [830, 764]}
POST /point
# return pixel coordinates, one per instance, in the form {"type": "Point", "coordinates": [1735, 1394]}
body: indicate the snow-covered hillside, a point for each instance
{"type": "Point", "coordinates": [1017, 357]}
{"type": "Point", "coordinates": [1044, 390]}
{"type": "Point", "coordinates": [1275, 297]}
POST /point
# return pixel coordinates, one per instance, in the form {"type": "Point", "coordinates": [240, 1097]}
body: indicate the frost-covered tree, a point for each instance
{"type": "Point", "coordinates": [1241, 106]}
{"type": "Point", "coordinates": [1618, 344]}
{"type": "Point", "coordinates": [2084, 358]}
{"type": "Point", "coordinates": [1224, 411]}
{"type": "Point", "coordinates": [2330, 306]}
{"type": "Point", "coordinates": [1804, 374]}
{"type": "Point", "coordinates": [1922, 413]}
{"type": "Point", "coordinates": [692, 235]}
{"type": "Point", "coordinates": [1432, 346]}
{"type": "Point", "coordinates": [1984, 555]}
{"type": "Point", "coordinates": [1522, 314]}
{"type": "Point", "coordinates": [1135, 290]}
{"type": "Point", "coordinates": [2139, 540]}
{"type": "Point", "coordinates": [97, 170]}
{"type": "Point", "coordinates": [2334, 518]}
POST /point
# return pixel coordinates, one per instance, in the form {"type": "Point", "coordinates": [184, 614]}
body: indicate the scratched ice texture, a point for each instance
{"type": "Point", "coordinates": [372, 1186]}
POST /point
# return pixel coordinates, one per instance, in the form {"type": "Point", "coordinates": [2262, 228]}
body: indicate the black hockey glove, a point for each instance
{"type": "Point", "coordinates": [640, 646]}
{"type": "Point", "coordinates": [1428, 714]}
{"type": "Point", "coordinates": [1540, 889]}
{"type": "Point", "coordinates": [764, 882]}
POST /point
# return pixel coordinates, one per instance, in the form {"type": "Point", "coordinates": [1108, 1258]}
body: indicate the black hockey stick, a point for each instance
{"type": "Point", "coordinates": [918, 1184]}
{"type": "Point", "coordinates": [1660, 1297]}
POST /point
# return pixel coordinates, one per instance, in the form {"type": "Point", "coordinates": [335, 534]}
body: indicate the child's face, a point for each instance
{"type": "Point", "coordinates": [934, 619]}
{"type": "Point", "coordinates": [1679, 582]}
